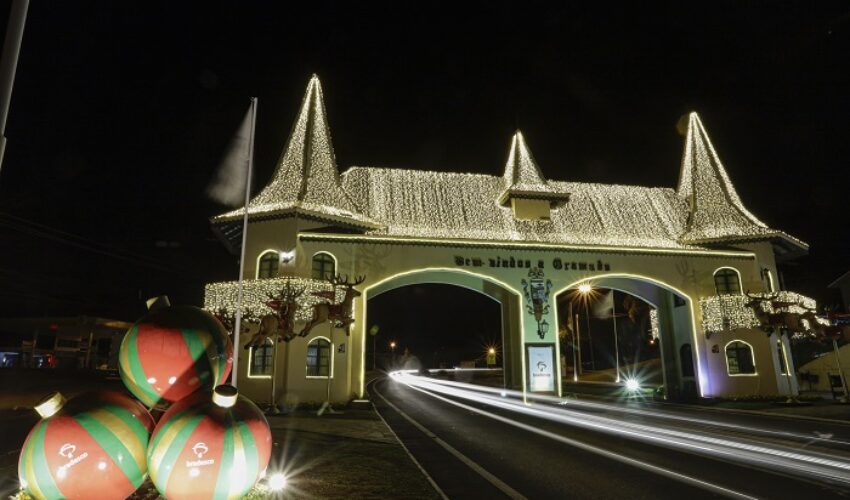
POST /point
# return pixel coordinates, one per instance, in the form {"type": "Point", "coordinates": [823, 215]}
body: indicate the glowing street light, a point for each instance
{"type": "Point", "coordinates": [584, 288]}
{"type": "Point", "coordinates": [632, 385]}
{"type": "Point", "coordinates": [277, 482]}
{"type": "Point", "coordinates": [491, 350]}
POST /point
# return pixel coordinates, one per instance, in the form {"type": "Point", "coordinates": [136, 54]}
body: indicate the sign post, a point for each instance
{"type": "Point", "coordinates": [541, 367]}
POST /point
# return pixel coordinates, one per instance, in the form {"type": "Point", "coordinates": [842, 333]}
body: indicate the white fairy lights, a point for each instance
{"type": "Point", "coordinates": [716, 210]}
{"type": "Point", "coordinates": [729, 311]}
{"type": "Point", "coordinates": [256, 293]}
{"type": "Point", "coordinates": [306, 179]}
{"type": "Point", "coordinates": [706, 208]}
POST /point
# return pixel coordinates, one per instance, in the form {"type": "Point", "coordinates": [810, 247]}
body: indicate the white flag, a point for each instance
{"type": "Point", "coordinates": [604, 308]}
{"type": "Point", "coordinates": [229, 185]}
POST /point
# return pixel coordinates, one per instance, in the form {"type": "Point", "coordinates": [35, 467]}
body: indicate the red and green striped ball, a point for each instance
{"type": "Point", "coordinates": [93, 447]}
{"type": "Point", "coordinates": [201, 450]}
{"type": "Point", "coordinates": [172, 352]}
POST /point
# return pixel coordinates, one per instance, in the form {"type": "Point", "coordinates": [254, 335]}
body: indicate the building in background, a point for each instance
{"type": "Point", "coordinates": [69, 342]}
{"type": "Point", "coordinates": [522, 240]}
{"type": "Point", "coordinates": [842, 284]}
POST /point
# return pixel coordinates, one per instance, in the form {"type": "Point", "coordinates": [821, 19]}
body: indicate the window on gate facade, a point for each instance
{"type": "Point", "coordinates": [324, 266]}
{"type": "Point", "coordinates": [739, 358]}
{"type": "Point", "coordinates": [726, 281]}
{"type": "Point", "coordinates": [268, 265]}
{"type": "Point", "coordinates": [781, 352]}
{"type": "Point", "coordinates": [318, 358]}
{"type": "Point", "coordinates": [262, 358]}
{"type": "Point", "coordinates": [768, 278]}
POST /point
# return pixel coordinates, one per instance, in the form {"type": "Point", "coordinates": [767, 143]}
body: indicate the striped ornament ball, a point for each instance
{"type": "Point", "coordinates": [93, 446]}
{"type": "Point", "coordinates": [172, 352]}
{"type": "Point", "coordinates": [211, 445]}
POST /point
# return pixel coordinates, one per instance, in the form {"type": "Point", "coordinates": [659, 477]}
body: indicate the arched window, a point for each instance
{"type": "Point", "coordinates": [261, 360]}
{"type": "Point", "coordinates": [267, 264]}
{"type": "Point", "coordinates": [324, 266]}
{"type": "Point", "coordinates": [319, 357]}
{"type": "Point", "coordinates": [727, 281]}
{"type": "Point", "coordinates": [739, 358]}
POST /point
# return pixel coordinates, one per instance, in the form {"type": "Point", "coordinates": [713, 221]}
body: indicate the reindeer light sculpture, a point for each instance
{"type": "Point", "coordinates": [281, 322]}
{"type": "Point", "coordinates": [330, 310]}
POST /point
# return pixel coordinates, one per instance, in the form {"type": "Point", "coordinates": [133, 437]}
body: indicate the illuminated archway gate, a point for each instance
{"type": "Point", "coordinates": [675, 323]}
{"type": "Point", "coordinates": [509, 302]}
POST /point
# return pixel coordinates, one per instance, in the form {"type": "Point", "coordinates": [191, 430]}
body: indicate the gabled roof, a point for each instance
{"type": "Point", "coordinates": [704, 211]}
{"type": "Point", "coordinates": [306, 181]}
{"type": "Point", "coordinates": [523, 178]}
{"type": "Point", "coordinates": [464, 206]}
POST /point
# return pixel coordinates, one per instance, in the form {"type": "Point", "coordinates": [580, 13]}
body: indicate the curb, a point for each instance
{"type": "Point", "coordinates": [415, 462]}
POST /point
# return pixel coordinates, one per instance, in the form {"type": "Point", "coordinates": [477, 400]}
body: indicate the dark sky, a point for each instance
{"type": "Point", "coordinates": [121, 113]}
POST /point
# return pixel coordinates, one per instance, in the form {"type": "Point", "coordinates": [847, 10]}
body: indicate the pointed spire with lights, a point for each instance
{"type": "Point", "coordinates": [716, 211]}
{"type": "Point", "coordinates": [306, 180]}
{"type": "Point", "coordinates": [523, 178]}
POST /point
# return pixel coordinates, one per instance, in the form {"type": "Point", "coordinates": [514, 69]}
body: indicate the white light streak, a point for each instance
{"type": "Point", "coordinates": [828, 465]}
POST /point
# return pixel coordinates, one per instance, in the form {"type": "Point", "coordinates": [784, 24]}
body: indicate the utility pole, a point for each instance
{"type": "Point", "coordinates": [9, 63]}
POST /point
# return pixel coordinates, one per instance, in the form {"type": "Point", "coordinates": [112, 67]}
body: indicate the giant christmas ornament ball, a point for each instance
{"type": "Point", "coordinates": [172, 352]}
{"type": "Point", "coordinates": [92, 446]}
{"type": "Point", "coordinates": [211, 445]}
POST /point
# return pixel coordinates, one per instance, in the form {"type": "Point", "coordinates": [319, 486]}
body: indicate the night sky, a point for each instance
{"type": "Point", "coordinates": [121, 113]}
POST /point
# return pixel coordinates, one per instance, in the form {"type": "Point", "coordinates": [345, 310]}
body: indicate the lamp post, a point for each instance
{"type": "Point", "coordinates": [585, 289]}
{"type": "Point", "coordinates": [392, 350]}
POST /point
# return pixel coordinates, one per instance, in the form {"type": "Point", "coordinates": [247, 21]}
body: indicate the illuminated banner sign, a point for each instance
{"type": "Point", "coordinates": [511, 262]}
{"type": "Point", "coordinates": [541, 367]}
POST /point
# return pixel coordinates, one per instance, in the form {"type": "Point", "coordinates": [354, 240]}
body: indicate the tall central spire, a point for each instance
{"type": "Point", "coordinates": [523, 178]}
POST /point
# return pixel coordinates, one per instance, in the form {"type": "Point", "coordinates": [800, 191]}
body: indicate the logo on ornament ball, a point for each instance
{"type": "Point", "coordinates": [200, 449]}
{"type": "Point", "coordinates": [67, 450]}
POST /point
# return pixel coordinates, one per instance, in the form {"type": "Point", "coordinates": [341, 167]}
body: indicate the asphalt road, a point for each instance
{"type": "Point", "coordinates": [470, 453]}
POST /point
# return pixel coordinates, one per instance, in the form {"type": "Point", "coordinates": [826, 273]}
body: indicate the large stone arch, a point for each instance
{"type": "Point", "coordinates": [508, 298]}
{"type": "Point", "coordinates": [677, 325]}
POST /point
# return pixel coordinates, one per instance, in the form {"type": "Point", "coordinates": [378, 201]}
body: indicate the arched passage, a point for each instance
{"type": "Point", "coordinates": [508, 300]}
{"type": "Point", "coordinates": [676, 328]}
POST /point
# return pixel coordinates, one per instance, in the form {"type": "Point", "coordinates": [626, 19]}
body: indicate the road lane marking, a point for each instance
{"type": "Point", "coordinates": [421, 469]}
{"type": "Point", "coordinates": [495, 481]}
{"type": "Point", "coordinates": [593, 449]}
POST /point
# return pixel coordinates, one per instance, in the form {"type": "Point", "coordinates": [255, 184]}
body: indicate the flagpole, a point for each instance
{"type": "Point", "coordinates": [237, 328]}
{"type": "Point", "coordinates": [616, 337]}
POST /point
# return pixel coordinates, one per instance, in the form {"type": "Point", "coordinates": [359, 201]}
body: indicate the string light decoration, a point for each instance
{"type": "Point", "coordinates": [222, 295]}
{"type": "Point", "coordinates": [306, 179]}
{"type": "Point", "coordinates": [523, 178]}
{"type": "Point", "coordinates": [729, 311]}
{"type": "Point", "coordinates": [384, 201]}
{"type": "Point", "coordinates": [655, 330]}
{"type": "Point", "coordinates": [716, 210]}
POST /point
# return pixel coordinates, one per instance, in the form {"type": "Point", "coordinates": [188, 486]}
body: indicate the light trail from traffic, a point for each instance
{"type": "Point", "coordinates": [808, 464]}
{"type": "Point", "coordinates": [619, 408]}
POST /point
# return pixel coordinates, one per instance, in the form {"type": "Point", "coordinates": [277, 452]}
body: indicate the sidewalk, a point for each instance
{"type": "Point", "coordinates": [347, 455]}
